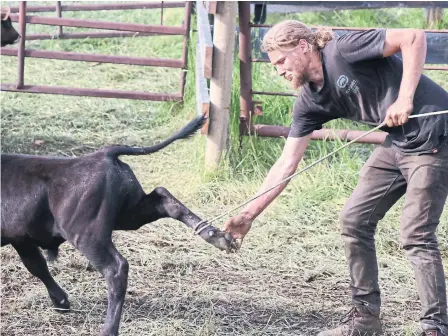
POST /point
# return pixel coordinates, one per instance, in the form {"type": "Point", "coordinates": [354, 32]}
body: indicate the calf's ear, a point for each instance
{"type": "Point", "coordinates": [5, 13]}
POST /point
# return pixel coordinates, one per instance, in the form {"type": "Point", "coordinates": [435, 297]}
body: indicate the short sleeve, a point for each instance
{"type": "Point", "coordinates": [306, 121]}
{"type": "Point", "coordinates": [362, 45]}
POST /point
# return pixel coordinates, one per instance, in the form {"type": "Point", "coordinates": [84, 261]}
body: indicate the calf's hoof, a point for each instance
{"type": "Point", "coordinates": [61, 303]}
{"type": "Point", "coordinates": [219, 239]}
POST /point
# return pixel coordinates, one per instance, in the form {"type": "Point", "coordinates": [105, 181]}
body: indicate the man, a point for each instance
{"type": "Point", "coordinates": [357, 77]}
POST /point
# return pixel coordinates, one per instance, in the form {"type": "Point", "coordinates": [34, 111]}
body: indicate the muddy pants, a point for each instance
{"type": "Point", "coordinates": [384, 179]}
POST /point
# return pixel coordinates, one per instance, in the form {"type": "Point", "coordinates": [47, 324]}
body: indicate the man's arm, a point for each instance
{"type": "Point", "coordinates": [285, 166]}
{"type": "Point", "coordinates": [412, 44]}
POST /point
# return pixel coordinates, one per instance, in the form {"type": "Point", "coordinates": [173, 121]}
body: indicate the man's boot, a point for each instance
{"type": "Point", "coordinates": [357, 322]}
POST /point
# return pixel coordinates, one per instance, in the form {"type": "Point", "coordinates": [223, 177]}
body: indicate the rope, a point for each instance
{"type": "Point", "coordinates": [198, 230]}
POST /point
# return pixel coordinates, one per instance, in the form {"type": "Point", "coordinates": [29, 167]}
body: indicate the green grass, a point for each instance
{"type": "Point", "coordinates": [289, 279]}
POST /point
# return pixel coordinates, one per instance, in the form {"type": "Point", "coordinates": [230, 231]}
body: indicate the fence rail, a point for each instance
{"type": "Point", "coordinates": [84, 57]}
{"type": "Point", "coordinates": [95, 7]}
{"type": "Point", "coordinates": [79, 23]}
{"type": "Point", "coordinates": [321, 6]}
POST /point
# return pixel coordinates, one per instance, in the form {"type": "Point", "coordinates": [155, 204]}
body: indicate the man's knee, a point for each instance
{"type": "Point", "coordinates": [350, 222]}
{"type": "Point", "coordinates": [347, 221]}
{"type": "Point", "coordinates": [355, 225]}
{"type": "Point", "coordinates": [419, 240]}
{"type": "Point", "coordinates": [421, 244]}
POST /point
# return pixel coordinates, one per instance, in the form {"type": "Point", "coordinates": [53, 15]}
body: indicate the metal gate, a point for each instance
{"type": "Point", "coordinates": [249, 44]}
{"type": "Point", "coordinates": [117, 29]}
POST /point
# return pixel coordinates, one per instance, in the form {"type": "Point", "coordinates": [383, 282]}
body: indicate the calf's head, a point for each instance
{"type": "Point", "coordinates": [9, 34]}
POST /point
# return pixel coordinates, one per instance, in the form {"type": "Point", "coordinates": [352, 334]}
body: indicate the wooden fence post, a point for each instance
{"type": "Point", "coordinates": [221, 82]}
{"type": "Point", "coordinates": [433, 16]}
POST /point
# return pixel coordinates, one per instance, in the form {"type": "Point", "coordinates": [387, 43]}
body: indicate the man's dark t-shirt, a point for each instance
{"type": "Point", "coordinates": [360, 84]}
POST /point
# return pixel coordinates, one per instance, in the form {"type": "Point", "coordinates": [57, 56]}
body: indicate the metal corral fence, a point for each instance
{"type": "Point", "coordinates": [251, 35]}
{"type": "Point", "coordinates": [117, 29]}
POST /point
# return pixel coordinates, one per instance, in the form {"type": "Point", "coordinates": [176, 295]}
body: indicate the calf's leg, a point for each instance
{"type": "Point", "coordinates": [160, 203]}
{"type": "Point", "coordinates": [34, 261]}
{"type": "Point", "coordinates": [103, 255]}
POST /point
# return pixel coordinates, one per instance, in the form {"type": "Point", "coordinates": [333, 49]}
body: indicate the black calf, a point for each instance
{"type": "Point", "coordinates": [48, 200]}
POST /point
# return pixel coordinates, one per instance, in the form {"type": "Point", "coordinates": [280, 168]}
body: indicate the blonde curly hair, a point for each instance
{"type": "Point", "coordinates": [286, 35]}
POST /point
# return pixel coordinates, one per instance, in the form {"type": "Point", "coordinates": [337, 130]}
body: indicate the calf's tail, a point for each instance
{"type": "Point", "coordinates": [184, 133]}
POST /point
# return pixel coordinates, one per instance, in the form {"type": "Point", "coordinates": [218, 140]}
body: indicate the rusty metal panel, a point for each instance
{"type": "Point", "coordinates": [106, 6]}
{"type": "Point", "coordinates": [259, 25]}
{"type": "Point", "coordinates": [187, 20]}
{"type": "Point", "coordinates": [118, 30]}
{"type": "Point", "coordinates": [245, 49]}
{"type": "Point", "coordinates": [21, 51]}
{"type": "Point", "coordinates": [59, 14]}
{"type": "Point", "coordinates": [54, 21]}
{"type": "Point", "coordinates": [327, 134]}
{"type": "Point", "coordinates": [74, 56]}
{"type": "Point", "coordinates": [104, 93]}
{"type": "Point", "coordinates": [83, 35]}
{"type": "Point", "coordinates": [211, 6]}
{"type": "Point", "coordinates": [319, 6]}
{"type": "Point", "coordinates": [437, 42]}
{"type": "Point", "coordinates": [425, 67]}
{"type": "Point", "coordinates": [439, 68]}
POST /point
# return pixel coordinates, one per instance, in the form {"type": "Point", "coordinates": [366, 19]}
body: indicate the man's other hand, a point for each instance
{"type": "Point", "coordinates": [398, 113]}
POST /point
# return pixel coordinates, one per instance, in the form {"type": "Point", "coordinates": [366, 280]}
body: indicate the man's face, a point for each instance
{"type": "Point", "coordinates": [292, 65]}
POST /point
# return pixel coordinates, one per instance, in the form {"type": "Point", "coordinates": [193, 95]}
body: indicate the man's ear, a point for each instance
{"type": "Point", "coordinates": [304, 45]}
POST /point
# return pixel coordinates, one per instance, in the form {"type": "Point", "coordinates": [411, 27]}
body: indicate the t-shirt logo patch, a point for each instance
{"type": "Point", "coordinates": [342, 81]}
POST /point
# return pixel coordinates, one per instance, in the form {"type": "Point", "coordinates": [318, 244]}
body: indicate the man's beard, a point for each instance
{"type": "Point", "coordinates": [300, 76]}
